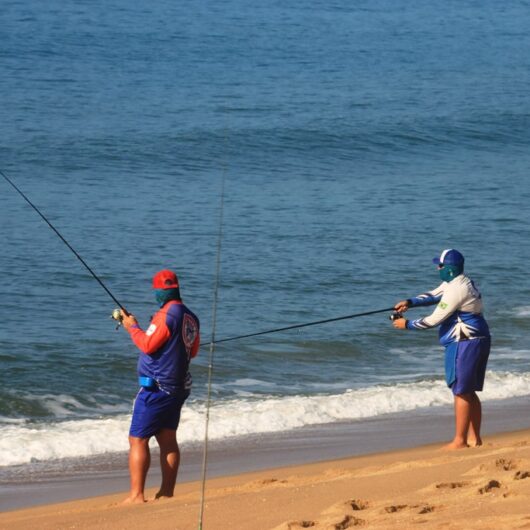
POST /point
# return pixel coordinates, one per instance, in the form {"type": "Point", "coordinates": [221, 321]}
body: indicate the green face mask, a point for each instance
{"type": "Point", "coordinates": [450, 272]}
{"type": "Point", "coordinates": [165, 295]}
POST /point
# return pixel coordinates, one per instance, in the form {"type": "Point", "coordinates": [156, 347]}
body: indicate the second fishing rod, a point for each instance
{"type": "Point", "coordinates": [116, 314]}
{"type": "Point", "coordinates": [393, 316]}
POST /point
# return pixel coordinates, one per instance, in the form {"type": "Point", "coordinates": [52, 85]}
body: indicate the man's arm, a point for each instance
{"type": "Point", "coordinates": [424, 299]}
{"type": "Point", "coordinates": [428, 298]}
{"type": "Point", "coordinates": [448, 304]}
{"type": "Point", "coordinates": [153, 338]}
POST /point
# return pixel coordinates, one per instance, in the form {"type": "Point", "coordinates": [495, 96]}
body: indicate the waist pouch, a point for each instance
{"type": "Point", "coordinates": [147, 382]}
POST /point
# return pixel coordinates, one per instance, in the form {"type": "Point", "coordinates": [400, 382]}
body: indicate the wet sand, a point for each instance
{"type": "Point", "coordinates": [486, 487]}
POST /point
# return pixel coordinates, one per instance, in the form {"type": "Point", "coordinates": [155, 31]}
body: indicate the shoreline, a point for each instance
{"type": "Point", "coordinates": [477, 488]}
{"type": "Point", "coordinates": [108, 474]}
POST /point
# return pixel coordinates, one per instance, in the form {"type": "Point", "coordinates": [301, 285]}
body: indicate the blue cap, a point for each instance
{"type": "Point", "coordinates": [449, 256]}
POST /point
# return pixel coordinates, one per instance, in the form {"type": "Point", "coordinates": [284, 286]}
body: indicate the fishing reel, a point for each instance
{"type": "Point", "coordinates": [118, 317]}
{"type": "Point", "coordinates": [396, 315]}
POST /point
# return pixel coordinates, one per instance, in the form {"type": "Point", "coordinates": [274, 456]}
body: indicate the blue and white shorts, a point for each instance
{"type": "Point", "coordinates": [465, 365]}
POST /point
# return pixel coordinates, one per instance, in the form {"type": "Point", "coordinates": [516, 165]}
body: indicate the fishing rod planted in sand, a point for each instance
{"type": "Point", "coordinates": [116, 314]}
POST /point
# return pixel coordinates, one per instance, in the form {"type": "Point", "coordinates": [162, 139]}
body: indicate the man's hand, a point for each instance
{"type": "Point", "coordinates": [402, 306]}
{"type": "Point", "coordinates": [400, 323]}
{"type": "Point", "coordinates": [128, 320]}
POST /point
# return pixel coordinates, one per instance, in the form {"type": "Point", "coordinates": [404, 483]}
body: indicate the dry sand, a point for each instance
{"type": "Point", "coordinates": [480, 488]}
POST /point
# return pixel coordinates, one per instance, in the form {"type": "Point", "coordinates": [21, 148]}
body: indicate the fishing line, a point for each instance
{"type": "Point", "coordinates": [212, 342]}
{"type": "Point", "coordinates": [62, 239]}
{"type": "Point", "coordinates": [307, 324]}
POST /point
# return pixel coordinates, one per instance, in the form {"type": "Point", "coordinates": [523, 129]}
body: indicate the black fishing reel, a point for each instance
{"type": "Point", "coordinates": [396, 315]}
{"type": "Point", "coordinates": [118, 317]}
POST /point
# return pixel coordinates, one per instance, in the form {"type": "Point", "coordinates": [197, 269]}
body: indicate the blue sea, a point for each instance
{"type": "Point", "coordinates": [355, 140]}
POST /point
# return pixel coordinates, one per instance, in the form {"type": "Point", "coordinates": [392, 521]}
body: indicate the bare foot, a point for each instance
{"type": "Point", "coordinates": [475, 443]}
{"type": "Point", "coordinates": [453, 446]}
{"type": "Point", "coordinates": [163, 495]}
{"type": "Point", "coordinates": [134, 499]}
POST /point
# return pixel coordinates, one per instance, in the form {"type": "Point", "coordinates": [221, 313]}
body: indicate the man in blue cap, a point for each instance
{"type": "Point", "coordinates": [465, 334]}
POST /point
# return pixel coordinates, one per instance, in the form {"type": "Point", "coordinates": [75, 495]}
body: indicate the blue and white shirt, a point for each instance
{"type": "Point", "coordinates": [458, 313]}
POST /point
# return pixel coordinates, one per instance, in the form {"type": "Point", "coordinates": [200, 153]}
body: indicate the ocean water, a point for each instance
{"type": "Point", "coordinates": [356, 140]}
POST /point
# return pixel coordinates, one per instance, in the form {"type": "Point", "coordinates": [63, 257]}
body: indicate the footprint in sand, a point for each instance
{"type": "Point", "coordinates": [422, 508]}
{"type": "Point", "coordinates": [427, 508]}
{"type": "Point", "coordinates": [520, 475]}
{"type": "Point", "coordinates": [395, 508]}
{"type": "Point", "coordinates": [348, 522]}
{"type": "Point", "coordinates": [492, 484]}
{"type": "Point", "coordinates": [357, 504]}
{"type": "Point", "coordinates": [506, 465]}
{"type": "Point", "coordinates": [451, 485]}
{"type": "Point", "coordinates": [296, 525]}
{"type": "Point", "coordinates": [271, 481]}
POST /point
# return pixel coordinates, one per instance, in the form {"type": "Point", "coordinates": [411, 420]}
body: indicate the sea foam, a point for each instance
{"type": "Point", "coordinates": [523, 311]}
{"type": "Point", "coordinates": [27, 443]}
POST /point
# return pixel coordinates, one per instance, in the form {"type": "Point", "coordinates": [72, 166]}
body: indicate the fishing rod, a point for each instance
{"type": "Point", "coordinates": [96, 277]}
{"type": "Point", "coordinates": [212, 344]}
{"type": "Point", "coordinates": [307, 324]}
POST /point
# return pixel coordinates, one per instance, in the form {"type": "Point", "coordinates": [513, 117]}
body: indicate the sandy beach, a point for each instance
{"type": "Point", "coordinates": [486, 487]}
{"type": "Point", "coordinates": [299, 168]}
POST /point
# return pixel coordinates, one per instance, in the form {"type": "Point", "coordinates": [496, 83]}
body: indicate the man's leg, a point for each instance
{"type": "Point", "coordinates": [473, 436]}
{"type": "Point", "coordinates": [471, 363]}
{"type": "Point", "coordinates": [462, 421]}
{"type": "Point", "coordinates": [169, 461]}
{"type": "Point", "coordinates": [139, 460]}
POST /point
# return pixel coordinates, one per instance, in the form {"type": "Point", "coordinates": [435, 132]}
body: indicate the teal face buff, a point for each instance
{"type": "Point", "coordinates": [449, 272]}
{"type": "Point", "coordinates": [165, 295]}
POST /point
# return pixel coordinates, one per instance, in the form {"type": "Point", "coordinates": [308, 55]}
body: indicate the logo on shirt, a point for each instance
{"type": "Point", "coordinates": [150, 330]}
{"type": "Point", "coordinates": [442, 305]}
{"type": "Point", "coordinates": [189, 331]}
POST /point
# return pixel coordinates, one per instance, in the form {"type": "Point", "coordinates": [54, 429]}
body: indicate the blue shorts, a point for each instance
{"type": "Point", "coordinates": [465, 365]}
{"type": "Point", "coordinates": [155, 410]}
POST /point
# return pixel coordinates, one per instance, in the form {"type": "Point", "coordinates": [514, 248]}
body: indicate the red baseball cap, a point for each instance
{"type": "Point", "coordinates": [165, 279]}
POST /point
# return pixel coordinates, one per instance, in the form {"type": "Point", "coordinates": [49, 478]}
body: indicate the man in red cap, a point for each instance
{"type": "Point", "coordinates": [167, 346]}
